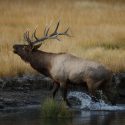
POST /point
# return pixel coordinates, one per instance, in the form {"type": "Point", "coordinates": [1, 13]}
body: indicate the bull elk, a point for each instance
{"type": "Point", "coordinates": [63, 68]}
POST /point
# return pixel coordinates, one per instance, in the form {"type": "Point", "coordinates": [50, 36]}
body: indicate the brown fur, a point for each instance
{"type": "Point", "coordinates": [67, 69]}
{"type": "Point", "coordinates": [63, 68]}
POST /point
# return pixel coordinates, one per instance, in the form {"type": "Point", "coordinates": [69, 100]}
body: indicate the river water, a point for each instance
{"type": "Point", "coordinates": [87, 113]}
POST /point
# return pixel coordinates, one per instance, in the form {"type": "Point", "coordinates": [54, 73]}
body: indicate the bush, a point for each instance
{"type": "Point", "coordinates": [63, 111]}
{"type": "Point", "coordinates": [52, 109]}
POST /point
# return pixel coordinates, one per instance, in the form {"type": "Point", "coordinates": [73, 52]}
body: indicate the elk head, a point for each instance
{"type": "Point", "coordinates": [24, 51]}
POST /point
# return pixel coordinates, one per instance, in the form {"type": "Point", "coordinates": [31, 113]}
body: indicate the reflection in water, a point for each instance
{"type": "Point", "coordinates": [33, 117]}
{"type": "Point", "coordinates": [100, 118]}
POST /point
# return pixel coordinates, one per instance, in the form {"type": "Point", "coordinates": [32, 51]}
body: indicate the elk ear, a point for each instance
{"type": "Point", "coordinates": [36, 46]}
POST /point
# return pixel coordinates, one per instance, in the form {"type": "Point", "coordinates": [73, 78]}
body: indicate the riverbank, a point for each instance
{"type": "Point", "coordinates": [29, 90]}
{"type": "Point", "coordinates": [24, 91]}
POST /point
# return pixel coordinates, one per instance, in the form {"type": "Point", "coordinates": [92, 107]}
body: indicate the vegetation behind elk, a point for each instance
{"type": "Point", "coordinates": [97, 28]}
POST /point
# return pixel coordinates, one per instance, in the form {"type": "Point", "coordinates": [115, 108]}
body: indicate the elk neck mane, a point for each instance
{"type": "Point", "coordinates": [41, 61]}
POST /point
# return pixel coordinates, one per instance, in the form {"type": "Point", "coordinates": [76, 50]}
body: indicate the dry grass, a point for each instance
{"type": "Point", "coordinates": [98, 30]}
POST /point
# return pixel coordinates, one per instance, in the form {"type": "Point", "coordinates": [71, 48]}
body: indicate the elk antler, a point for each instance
{"type": "Point", "coordinates": [26, 37]}
{"type": "Point", "coordinates": [53, 35]}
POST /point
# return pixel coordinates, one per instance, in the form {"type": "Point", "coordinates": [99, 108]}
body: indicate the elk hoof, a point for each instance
{"type": "Point", "coordinates": [95, 99]}
{"type": "Point", "coordinates": [113, 103]}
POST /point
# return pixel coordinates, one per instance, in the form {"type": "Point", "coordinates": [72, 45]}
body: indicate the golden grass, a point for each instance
{"type": "Point", "coordinates": [98, 30]}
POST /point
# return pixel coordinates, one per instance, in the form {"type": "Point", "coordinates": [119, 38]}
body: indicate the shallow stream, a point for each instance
{"type": "Point", "coordinates": [87, 113]}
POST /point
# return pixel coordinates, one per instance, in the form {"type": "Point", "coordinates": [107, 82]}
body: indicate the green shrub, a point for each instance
{"type": "Point", "coordinates": [63, 111]}
{"type": "Point", "coordinates": [52, 109]}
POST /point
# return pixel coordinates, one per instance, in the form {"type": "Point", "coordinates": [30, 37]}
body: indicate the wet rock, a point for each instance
{"type": "Point", "coordinates": [10, 102]}
{"type": "Point", "coordinates": [119, 80]}
{"type": "Point", "coordinates": [25, 83]}
{"type": "Point", "coordinates": [2, 105]}
{"type": "Point", "coordinates": [23, 90]}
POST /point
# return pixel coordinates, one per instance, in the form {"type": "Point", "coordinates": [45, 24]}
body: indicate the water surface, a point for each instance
{"type": "Point", "coordinates": [33, 117]}
{"type": "Point", "coordinates": [88, 113]}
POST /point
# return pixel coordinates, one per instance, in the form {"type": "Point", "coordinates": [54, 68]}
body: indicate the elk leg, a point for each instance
{"type": "Point", "coordinates": [64, 95]}
{"type": "Point", "coordinates": [112, 98]}
{"type": "Point", "coordinates": [55, 89]}
{"type": "Point", "coordinates": [92, 87]}
{"type": "Point", "coordinates": [92, 93]}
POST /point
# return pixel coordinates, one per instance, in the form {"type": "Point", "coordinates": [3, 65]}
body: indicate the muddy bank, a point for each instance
{"type": "Point", "coordinates": [25, 83]}
{"type": "Point", "coordinates": [119, 80]}
{"type": "Point", "coordinates": [27, 90]}
{"type": "Point", "coordinates": [10, 100]}
{"type": "Point", "coordinates": [23, 91]}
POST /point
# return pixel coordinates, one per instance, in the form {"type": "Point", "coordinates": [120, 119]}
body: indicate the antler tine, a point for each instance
{"type": "Point", "coordinates": [57, 27]}
{"type": "Point", "coordinates": [66, 32]}
{"type": "Point", "coordinates": [47, 31]}
{"type": "Point", "coordinates": [34, 34]}
{"type": "Point", "coordinates": [26, 37]}
{"type": "Point", "coordinates": [55, 31]}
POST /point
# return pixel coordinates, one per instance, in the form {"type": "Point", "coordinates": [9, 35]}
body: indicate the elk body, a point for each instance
{"type": "Point", "coordinates": [64, 69]}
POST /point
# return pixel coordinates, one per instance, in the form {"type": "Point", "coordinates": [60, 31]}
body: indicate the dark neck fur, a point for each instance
{"type": "Point", "coordinates": [41, 61]}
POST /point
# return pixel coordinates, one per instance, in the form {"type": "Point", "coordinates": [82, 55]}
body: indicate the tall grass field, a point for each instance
{"type": "Point", "coordinates": [97, 28]}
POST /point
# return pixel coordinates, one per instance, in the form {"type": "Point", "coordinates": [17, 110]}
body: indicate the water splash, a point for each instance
{"type": "Point", "coordinates": [88, 104]}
